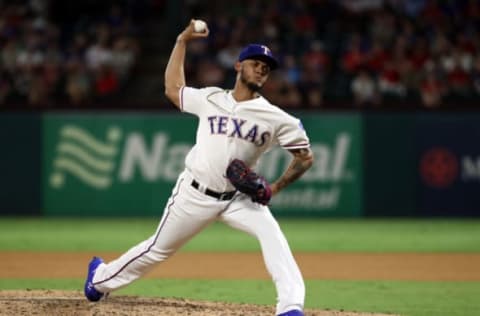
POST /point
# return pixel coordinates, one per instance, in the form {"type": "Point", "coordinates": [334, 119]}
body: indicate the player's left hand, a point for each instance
{"type": "Point", "coordinates": [248, 182]}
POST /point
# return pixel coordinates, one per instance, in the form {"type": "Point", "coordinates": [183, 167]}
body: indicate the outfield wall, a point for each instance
{"type": "Point", "coordinates": [367, 164]}
{"type": "Point", "coordinates": [20, 168]}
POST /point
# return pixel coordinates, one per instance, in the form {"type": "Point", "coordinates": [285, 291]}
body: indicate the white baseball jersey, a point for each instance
{"type": "Point", "coordinates": [228, 129]}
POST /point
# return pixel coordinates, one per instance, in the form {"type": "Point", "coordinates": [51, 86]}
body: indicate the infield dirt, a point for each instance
{"type": "Point", "coordinates": [357, 266]}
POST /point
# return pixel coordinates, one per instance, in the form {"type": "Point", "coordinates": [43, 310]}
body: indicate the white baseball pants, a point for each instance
{"type": "Point", "coordinates": [187, 212]}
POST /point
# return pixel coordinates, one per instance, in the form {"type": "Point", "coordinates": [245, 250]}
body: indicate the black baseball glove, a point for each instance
{"type": "Point", "coordinates": [248, 182]}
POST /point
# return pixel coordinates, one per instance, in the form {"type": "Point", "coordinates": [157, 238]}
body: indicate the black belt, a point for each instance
{"type": "Point", "coordinates": [225, 196]}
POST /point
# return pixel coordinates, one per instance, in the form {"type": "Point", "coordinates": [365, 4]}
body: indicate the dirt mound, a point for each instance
{"type": "Point", "coordinates": [60, 303]}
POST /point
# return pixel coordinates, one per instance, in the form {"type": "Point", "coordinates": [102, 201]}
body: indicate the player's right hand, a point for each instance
{"type": "Point", "coordinates": [189, 33]}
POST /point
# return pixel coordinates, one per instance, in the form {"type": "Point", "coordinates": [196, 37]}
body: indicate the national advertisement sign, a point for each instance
{"type": "Point", "coordinates": [127, 164]}
{"type": "Point", "coordinates": [123, 164]}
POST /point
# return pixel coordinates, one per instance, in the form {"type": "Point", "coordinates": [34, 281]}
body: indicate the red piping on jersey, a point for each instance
{"type": "Point", "coordinates": [150, 246]}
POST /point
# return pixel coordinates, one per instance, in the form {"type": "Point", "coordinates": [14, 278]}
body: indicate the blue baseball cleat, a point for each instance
{"type": "Point", "coordinates": [90, 292]}
{"type": "Point", "coordinates": [293, 312]}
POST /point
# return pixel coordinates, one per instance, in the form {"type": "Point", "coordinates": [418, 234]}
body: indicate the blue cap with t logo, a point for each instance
{"type": "Point", "coordinates": [260, 52]}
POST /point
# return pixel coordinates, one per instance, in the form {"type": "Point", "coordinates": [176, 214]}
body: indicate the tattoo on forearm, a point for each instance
{"type": "Point", "coordinates": [302, 160]}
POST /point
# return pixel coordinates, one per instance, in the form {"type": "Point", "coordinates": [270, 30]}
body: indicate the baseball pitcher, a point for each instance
{"type": "Point", "coordinates": [235, 128]}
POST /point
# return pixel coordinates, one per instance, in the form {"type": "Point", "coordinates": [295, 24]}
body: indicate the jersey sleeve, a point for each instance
{"type": "Point", "coordinates": [291, 134]}
{"type": "Point", "coordinates": [192, 100]}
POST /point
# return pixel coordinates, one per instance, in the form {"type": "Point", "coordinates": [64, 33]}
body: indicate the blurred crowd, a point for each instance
{"type": "Point", "coordinates": [46, 63]}
{"type": "Point", "coordinates": [333, 54]}
{"type": "Point", "coordinates": [358, 53]}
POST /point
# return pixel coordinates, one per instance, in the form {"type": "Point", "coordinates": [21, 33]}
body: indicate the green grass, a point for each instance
{"type": "Point", "coordinates": [400, 297]}
{"type": "Point", "coordinates": [333, 235]}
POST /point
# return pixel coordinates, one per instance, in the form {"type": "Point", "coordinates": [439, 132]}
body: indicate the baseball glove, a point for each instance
{"type": "Point", "coordinates": [248, 182]}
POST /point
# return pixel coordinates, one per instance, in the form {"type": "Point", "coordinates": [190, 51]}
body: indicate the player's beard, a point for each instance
{"type": "Point", "coordinates": [252, 86]}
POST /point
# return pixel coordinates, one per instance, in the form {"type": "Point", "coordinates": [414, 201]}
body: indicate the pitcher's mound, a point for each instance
{"type": "Point", "coordinates": [56, 302]}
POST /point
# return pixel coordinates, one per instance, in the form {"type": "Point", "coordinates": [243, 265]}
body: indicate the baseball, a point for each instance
{"type": "Point", "coordinates": [199, 26]}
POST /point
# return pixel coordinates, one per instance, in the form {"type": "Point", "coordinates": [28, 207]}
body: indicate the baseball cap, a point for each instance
{"type": "Point", "coordinates": [260, 52]}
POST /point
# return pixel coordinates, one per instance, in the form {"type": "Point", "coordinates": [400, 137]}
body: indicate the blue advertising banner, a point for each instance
{"type": "Point", "coordinates": [448, 155]}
